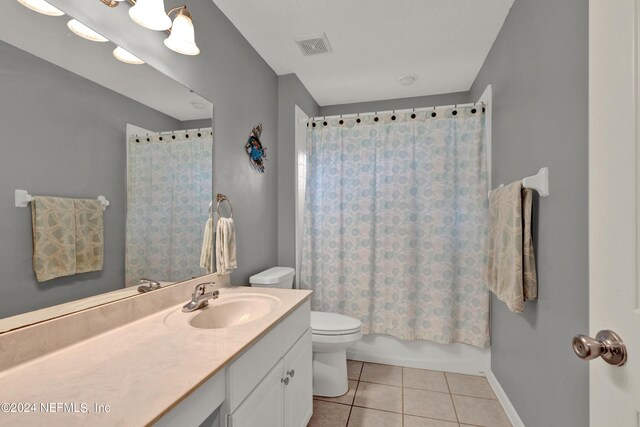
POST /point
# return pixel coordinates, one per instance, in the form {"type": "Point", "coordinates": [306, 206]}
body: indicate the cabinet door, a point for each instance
{"type": "Point", "coordinates": [298, 393]}
{"type": "Point", "coordinates": [264, 407]}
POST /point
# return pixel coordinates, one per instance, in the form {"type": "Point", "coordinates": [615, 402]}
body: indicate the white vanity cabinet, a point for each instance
{"type": "Point", "coordinates": [298, 392]}
{"type": "Point", "coordinates": [270, 384]}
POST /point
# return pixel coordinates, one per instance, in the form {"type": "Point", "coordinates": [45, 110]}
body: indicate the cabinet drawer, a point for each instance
{"type": "Point", "coordinates": [254, 363]}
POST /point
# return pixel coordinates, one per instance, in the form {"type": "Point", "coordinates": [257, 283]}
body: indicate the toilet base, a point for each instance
{"type": "Point", "coordinates": [330, 373]}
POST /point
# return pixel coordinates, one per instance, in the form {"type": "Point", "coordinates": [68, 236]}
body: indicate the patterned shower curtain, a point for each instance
{"type": "Point", "coordinates": [169, 188]}
{"type": "Point", "coordinates": [396, 222]}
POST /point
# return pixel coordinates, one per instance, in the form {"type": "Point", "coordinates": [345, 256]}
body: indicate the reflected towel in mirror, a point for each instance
{"type": "Point", "coordinates": [225, 246]}
{"type": "Point", "coordinates": [206, 255]}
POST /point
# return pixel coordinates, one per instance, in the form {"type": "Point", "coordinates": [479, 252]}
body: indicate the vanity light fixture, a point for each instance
{"type": "Point", "coordinates": [150, 14]}
{"type": "Point", "coordinates": [41, 6]}
{"type": "Point", "coordinates": [81, 30]}
{"type": "Point", "coordinates": [182, 37]}
{"type": "Point", "coordinates": [127, 57]}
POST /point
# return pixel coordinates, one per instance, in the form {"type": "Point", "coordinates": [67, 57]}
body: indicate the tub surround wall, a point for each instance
{"type": "Point", "coordinates": [243, 89]}
{"type": "Point", "coordinates": [291, 92]}
{"type": "Point", "coordinates": [62, 135]}
{"type": "Point", "coordinates": [538, 68]}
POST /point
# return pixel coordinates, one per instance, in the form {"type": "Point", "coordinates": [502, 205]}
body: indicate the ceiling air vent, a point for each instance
{"type": "Point", "coordinates": [314, 44]}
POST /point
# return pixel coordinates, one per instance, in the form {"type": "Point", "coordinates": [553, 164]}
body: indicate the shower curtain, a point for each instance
{"type": "Point", "coordinates": [169, 187]}
{"type": "Point", "coordinates": [396, 221]}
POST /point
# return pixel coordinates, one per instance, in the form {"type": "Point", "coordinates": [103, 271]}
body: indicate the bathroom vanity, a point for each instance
{"type": "Point", "coordinates": [244, 360]}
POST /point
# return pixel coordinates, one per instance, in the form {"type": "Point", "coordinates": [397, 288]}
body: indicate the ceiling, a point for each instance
{"type": "Point", "coordinates": [443, 42]}
{"type": "Point", "coordinates": [49, 38]}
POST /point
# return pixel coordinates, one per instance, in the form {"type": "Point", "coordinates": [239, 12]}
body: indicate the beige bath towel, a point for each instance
{"type": "Point", "coordinates": [511, 263]}
{"type": "Point", "coordinates": [206, 254]}
{"type": "Point", "coordinates": [89, 234]}
{"type": "Point", "coordinates": [53, 231]}
{"type": "Point", "coordinates": [225, 246]}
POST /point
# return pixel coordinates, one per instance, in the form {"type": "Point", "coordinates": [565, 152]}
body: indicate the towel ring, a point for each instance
{"type": "Point", "coordinates": [221, 198]}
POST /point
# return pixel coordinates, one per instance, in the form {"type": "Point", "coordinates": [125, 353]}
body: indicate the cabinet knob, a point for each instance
{"type": "Point", "coordinates": [285, 380]}
{"type": "Point", "coordinates": [291, 373]}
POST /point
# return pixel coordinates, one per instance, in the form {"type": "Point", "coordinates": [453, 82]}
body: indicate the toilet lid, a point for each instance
{"type": "Point", "coordinates": [333, 324]}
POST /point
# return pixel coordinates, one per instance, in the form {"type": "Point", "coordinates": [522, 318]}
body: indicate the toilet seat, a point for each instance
{"type": "Point", "coordinates": [334, 324]}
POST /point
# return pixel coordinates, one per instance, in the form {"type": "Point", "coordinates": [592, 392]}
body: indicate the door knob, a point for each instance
{"type": "Point", "coordinates": [607, 345]}
{"type": "Point", "coordinates": [285, 380]}
{"type": "Point", "coordinates": [291, 373]}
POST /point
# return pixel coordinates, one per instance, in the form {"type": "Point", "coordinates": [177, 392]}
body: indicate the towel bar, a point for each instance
{"type": "Point", "coordinates": [23, 198]}
{"type": "Point", "coordinates": [538, 182]}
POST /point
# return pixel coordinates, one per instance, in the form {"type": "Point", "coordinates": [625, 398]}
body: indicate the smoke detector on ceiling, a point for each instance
{"type": "Point", "coordinates": [407, 79]}
{"type": "Point", "coordinates": [314, 44]}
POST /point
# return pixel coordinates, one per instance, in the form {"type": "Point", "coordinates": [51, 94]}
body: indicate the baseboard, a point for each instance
{"type": "Point", "coordinates": [504, 400]}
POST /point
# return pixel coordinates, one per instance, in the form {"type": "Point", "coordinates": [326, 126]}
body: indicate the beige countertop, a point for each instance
{"type": "Point", "coordinates": [141, 370]}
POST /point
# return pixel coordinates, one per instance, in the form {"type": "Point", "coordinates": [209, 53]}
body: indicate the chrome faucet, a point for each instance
{"type": "Point", "coordinates": [199, 298]}
{"type": "Point", "coordinates": [148, 285]}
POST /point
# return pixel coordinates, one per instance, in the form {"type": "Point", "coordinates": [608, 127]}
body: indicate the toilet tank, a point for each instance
{"type": "Point", "coordinates": [276, 277]}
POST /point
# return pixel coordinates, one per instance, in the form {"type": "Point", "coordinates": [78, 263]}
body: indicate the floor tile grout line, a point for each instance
{"type": "Point", "coordinates": [354, 394]}
{"type": "Point", "coordinates": [453, 404]}
{"type": "Point", "coordinates": [436, 419]}
{"type": "Point", "coordinates": [475, 397]}
{"type": "Point", "coordinates": [444, 392]}
{"type": "Point", "coordinates": [402, 401]}
{"type": "Point", "coordinates": [353, 401]}
{"type": "Point", "coordinates": [381, 410]}
{"type": "Point", "coordinates": [433, 391]}
{"type": "Point", "coordinates": [390, 385]}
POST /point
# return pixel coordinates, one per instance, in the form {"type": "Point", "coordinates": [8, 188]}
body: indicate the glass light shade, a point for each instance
{"type": "Point", "coordinates": [81, 30]}
{"type": "Point", "coordinates": [126, 57]}
{"type": "Point", "coordinates": [182, 38]}
{"type": "Point", "coordinates": [41, 6]}
{"type": "Point", "coordinates": [150, 14]}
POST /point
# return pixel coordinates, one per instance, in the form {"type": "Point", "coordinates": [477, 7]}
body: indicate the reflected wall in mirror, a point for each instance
{"type": "Point", "coordinates": [76, 123]}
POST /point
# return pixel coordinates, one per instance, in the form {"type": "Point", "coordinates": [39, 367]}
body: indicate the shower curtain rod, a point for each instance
{"type": "Point", "coordinates": [405, 110]}
{"type": "Point", "coordinates": [169, 132]}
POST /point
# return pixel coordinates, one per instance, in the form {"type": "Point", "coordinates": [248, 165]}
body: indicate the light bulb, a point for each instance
{"type": "Point", "coordinates": [41, 6]}
{"type": "Point", "coordinates": [81, 30]}
{"type": "Point", "coordinates": [182, 37]}
{"type": "Point", "coordinates": [150, 14]}
{"type": "Point", "coordinates": [126, 57]}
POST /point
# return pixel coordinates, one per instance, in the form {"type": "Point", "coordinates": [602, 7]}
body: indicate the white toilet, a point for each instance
{"type": "Point", "coordinates": [332, 333]}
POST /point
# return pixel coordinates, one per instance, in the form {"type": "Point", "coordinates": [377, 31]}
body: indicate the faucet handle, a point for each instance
{"type": "Point", "coordinates": [201, 288]}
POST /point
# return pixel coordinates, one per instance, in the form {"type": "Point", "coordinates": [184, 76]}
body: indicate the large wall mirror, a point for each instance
{"type": "Point", "coordinates": [76, 123]}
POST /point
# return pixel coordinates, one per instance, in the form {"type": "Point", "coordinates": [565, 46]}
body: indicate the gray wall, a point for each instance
{"type": "Point", "coordinates": [291, 92]}
{"type": "Point", "coordinates": [61, 135]}
{"type": "Point", "coordinates": [243, 89]}
{"type": "Point", "coordinates": [196, 124]}
{"type": "Point", "coordinates": [396, 104]}
{"type": "Point", "coordinates": [538, 68]}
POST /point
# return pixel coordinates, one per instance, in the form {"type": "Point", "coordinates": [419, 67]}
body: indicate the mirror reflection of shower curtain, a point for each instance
{"type": "Point", "coordinates": [169, 187]}
{"type": "Point", "coordinates": [396, 221]}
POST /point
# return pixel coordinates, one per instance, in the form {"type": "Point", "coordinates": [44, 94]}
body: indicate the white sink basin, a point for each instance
{"type": "Point", "coordinates": [227, 311]}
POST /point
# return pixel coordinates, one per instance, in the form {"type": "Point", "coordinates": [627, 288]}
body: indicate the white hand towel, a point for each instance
{"type": "Point", "coordinates": [206, 254]}
{"type": "Point", "coordinates": [225, 246]}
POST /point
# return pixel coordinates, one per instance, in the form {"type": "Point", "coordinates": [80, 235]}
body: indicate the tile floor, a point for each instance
{"type": "Point", "coordinates": [392, 396]}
